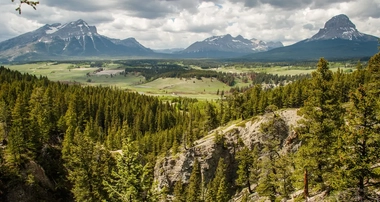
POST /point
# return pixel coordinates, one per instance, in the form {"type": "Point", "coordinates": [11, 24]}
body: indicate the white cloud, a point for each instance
{"type": "Point", "coordinates": [179, 23]}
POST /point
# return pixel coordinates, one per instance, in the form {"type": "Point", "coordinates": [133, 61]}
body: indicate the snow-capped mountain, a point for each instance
{"type": "Point", "coordinates": [340, 27]}
{"type": "Point", "coordinates": [226, 45]}
{"type": "Point", "coordinates": [72, 39]}
{"type": "Point", "coordinates": [338, 40]}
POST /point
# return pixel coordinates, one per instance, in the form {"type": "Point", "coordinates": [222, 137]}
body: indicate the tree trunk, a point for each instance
{"type": "Point", "coordinates": [306, 185]}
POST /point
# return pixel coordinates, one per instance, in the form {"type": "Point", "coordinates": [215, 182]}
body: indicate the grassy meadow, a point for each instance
{"type": "Point", "coordinates": [200, 89]}
{"type": "Point", "coordinates": [283, 70]}
{"type": "Point", "coordinates": [205, 89]}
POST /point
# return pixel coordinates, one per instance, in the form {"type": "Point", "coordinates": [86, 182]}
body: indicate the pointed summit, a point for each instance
{"type": "Point", "coordinates": [339, 27]}
{"type": "Point", "coordinates": [339, 21]}
{"type": "Point", "coordinates": [80, 21]}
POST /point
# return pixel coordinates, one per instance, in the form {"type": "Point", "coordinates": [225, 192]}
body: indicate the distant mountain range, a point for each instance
{"type": "Point", "coordinates": [227, 46]}
{"type": "Point", "coordinates": [339, 39]}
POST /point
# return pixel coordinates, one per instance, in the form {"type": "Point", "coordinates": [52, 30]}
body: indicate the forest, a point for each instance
{"type": "Point", "coordinates": [66, 142]}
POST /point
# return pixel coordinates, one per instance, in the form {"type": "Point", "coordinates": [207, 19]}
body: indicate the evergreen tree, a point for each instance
{"type": "Point", "coordinates": [178, 192]}
{"type": "Point", "coordinates": [87, 165]}
{"type": "Point", "coordinates": [222, 194]}
{"type": "Point", "coordinates": [19, 147]}
{"type": "Point", "coordinates": [361, 140]}
{"type": "Point", "coordinates": [322, 115]}
{"type": "Point", "coordinates": [194, 189]}
{"type": "Point", "coordinates": [248, 167]}
{"type": "Point", "coordinates": [131, 180]}
{"type": "Point", "coordinates": [218, 187]}
{"type": "Point", "coordinates": [274, 174]}
{"type": "Point", "coordinates": [5, 120]}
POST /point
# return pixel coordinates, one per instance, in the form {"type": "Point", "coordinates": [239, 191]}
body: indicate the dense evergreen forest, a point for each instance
{"type": "Point", "coordinates": [65, 142]}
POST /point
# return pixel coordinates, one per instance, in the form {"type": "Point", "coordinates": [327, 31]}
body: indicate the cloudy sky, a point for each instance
{"type": "Point", "coordinates": [161, 24]}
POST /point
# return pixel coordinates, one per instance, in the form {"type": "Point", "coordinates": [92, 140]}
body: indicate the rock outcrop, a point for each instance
{"type": "Point", "coordinates": [177, 167]}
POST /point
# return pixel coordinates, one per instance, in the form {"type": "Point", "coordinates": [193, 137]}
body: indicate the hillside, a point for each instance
{"type": "Point", "coordinates": [315, 138]}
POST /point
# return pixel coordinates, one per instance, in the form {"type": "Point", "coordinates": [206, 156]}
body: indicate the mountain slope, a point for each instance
{"type": "Point", "coordinates": [64, 40]}
{"type": "Point", "coordinates": [227, 46]}
{"type": "Point", "coordinates": [339, 39]}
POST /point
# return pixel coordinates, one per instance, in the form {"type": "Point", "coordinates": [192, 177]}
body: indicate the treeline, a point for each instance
{"type": "Point", "coordinates": [176, 71]}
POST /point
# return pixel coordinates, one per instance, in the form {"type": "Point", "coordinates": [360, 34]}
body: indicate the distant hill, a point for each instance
{"type": "Point", "coordinates": [227, 46]}
{"type": "Point", "coordinates": [339, 39]}
{"type": "Point", "coordinates": [73, 39]}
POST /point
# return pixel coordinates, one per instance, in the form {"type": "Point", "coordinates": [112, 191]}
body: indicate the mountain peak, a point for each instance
{"type": "Point", "coordinates": [80, 21]}
{"type": "Point", "coordinates": [227, 45]}
{"type": "Point", "coordinates": [339, 21]}
{"type": "Point", "coordinates": [338, 27]}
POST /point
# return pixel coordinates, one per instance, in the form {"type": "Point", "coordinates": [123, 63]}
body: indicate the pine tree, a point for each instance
{"type": "Point", "coordinates": [87, 165]}
{"type": "Point", "coordinates": [5, 120]}
{"type": "Point", "coordinates": [178, 192]}
{"type": "Point", "coordinates": [19, 147]}
{"type": "Point", "coordinates": [131, 180]}
{"type": "Point", "coordinates": [218, 187]}
{"type": "Point", "coordinates": [248, 167]}
{"type": "Point", "coordinates": [222, 194]}
{"type": "Point", "coordinates": [194, 189]}
{"type": "Point", "coordinates": [323, 118]}
{"type": "Point", "coordinates": [360, 140]}
{"type": "Point", "coordinates": [272, 176]}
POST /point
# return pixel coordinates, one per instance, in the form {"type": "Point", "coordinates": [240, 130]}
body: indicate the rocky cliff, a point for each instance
{"type": "Point", "coordinates": [174, 167]}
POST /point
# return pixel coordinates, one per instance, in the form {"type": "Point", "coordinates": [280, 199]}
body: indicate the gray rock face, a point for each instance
{"type": "Point", "coordinates": [340, 27]}
{"type": "Point", "coordinates": [178, 167]}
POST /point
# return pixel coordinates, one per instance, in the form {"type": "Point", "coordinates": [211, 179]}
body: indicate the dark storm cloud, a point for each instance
{"type": "Point", "coordinates": [149, 9]}
{"type": "Point", "coordinates": [83, 5]}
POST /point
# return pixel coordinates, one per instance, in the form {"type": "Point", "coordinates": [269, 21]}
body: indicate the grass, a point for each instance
{"type": "Point", "coordinates": [280, 70]}
{"type": "Point", "coordinates": [204, 89]}
{"type": "Point", "coordinates": [200, 89]}
{"type": "Point", "coordinates": [55, 72]}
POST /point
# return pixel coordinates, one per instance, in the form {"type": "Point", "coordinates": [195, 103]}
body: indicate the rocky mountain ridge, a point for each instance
{"type": "Point", "coordinates": [74, 39]}
{"type": "Point", "coordinates": [218, 46]}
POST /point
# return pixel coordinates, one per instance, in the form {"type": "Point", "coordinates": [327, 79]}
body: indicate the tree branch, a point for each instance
{"type": "Point", "coordinates": [33, 4]}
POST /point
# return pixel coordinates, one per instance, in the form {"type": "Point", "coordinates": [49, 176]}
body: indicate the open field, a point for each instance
{"type": "Point", "coordinates": [200, 89]}
{"type": "Point", "coordinates": [280, 70]}
{"type": "Point", "coordinates": [112, 75]}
